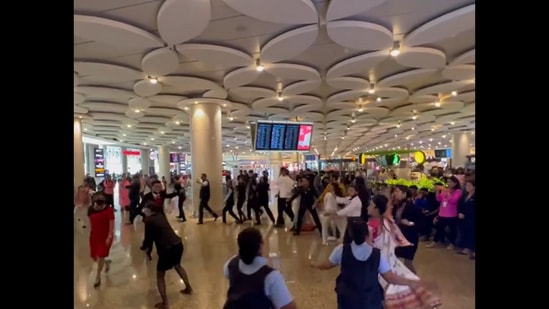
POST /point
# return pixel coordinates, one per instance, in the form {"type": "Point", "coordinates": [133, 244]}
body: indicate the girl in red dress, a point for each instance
{"type": "Point", "coordinates": [101, 233]}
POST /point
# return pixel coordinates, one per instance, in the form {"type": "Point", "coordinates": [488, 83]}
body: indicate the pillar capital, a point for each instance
{"type": "Point", "coordinates": [190, 103]}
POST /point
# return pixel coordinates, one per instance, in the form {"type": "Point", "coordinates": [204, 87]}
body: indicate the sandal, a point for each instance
{"type": "Point", "coordinates": [97, 283]}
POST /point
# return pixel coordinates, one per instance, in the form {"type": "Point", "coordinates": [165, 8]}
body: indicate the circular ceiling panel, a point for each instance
{"type": "Point", "coordinates": [351, 34]}
{"type": "Point", "coordinates": [144, 88]}
{"type": "Point", "coordinates": [421, 57]}
{"type": "Point", "coordinates": [289, 44]}
{"type": "Point", "coordinates": [159, 62]}
{"type": "Point", "coordinates": [216, 55]}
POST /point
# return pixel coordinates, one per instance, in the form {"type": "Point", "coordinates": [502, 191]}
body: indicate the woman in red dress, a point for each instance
{"type": "Point", "coordinates": [101, 233]}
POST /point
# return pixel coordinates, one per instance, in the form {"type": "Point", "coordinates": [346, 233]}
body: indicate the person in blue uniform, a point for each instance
{"type": "Point", "coordinates": [252, 283]}
{"type": "Point", "coordinates": [357, 286]}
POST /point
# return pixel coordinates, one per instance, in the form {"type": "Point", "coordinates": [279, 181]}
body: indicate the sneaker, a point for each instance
{"type": "Point", "coordinates": [432, 244]}
{"type": "Point", "coordinates": [450, 247]}
{"type": "Point", "coordinates": [332, 238]}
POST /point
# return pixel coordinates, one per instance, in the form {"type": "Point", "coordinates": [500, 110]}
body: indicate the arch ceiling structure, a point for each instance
{"type": "Point", "coordinates": [330, 62]}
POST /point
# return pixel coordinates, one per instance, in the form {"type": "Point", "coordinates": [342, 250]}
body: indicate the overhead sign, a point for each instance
{"type": "Point", "coordinates": [131, 152]}
{"type": "Point", "coordinates": [99, 162]}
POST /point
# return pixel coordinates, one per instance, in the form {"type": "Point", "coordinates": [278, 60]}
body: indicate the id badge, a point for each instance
{"type": "Point", "coordinates": [444, 204]}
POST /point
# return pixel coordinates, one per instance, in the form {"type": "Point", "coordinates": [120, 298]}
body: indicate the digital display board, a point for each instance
{"type": "Point", "coordinates": [281, 136]}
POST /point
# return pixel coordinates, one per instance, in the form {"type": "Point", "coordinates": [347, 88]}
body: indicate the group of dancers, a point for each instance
{"type": "Point", "coordinates": [373, 242]}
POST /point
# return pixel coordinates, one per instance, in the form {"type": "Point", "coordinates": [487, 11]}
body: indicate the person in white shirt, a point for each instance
{"type": "Point", "coordinates": [330, 208]}
{"type": "Point", "coordinates": [353, 207]}
{"type": "Point", "coordinates": [285, 187]}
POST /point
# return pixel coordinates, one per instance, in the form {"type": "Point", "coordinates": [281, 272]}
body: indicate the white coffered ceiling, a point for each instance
{"type": "Point", "coordinates": [330, 61]}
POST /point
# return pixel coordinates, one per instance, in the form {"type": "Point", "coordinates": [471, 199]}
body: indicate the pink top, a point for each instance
{"type": "Point", "coordinates": [108, 186]}
{"type": "Point", "coordinates": [123, 194]}
{"type": "Point", "coordinates": [448, 203]}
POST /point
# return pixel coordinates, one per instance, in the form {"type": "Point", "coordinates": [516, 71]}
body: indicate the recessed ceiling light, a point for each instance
{"type": "Point", "coordinates": [179, 147]}
{"type": "Point", "coordinates": [454, 93]}
{"type": "Point", "coordinates": [124, 134]}
{"type": "Point", "coordinates": [153, 80]}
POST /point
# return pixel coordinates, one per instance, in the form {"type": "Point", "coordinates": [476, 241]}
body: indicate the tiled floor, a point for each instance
{"type": "Point", "coordinates": [131, 280]}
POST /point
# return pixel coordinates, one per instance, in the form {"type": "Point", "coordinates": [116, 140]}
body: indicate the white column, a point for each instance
{"type": "Point", "coordinates": [78, 150]}
{"type": "Point", "coordinates": [276, 163]}
{"type": "Point", "coordinates": [164, 162]}
{"type": "Point", "coordinates": [124, 160]}
{"type": "Point", "coordinates": [145, 161]}
{"type": "Point", "coordinates": [206, 152]}
{"type": "Point", "coordinates": [91, 159]}
{"type": "Point", "coordinates": [461, 147]}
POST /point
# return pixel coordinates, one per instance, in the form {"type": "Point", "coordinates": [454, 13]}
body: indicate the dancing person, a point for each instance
{"type": "Point", "coordinates": [158, 195]}
{"type": "Point", "coordinates": [467, 218]}
{"type": "Point", "coordinates": [252, 283]}
{"type": "Point", "coordinates": [241, 197]}
{"type": "Point", "coordinates": [101, 217]}
{"type": "Point", "coordinates": [181, 197]}
{"type": "Point", "coordinates": [407, 216]}
{"type": "Point", "coordinates": [306, 203]}
{"type": "Point", "coordinates": [357, 285]}
{"type": "Point", "coordinates": [134, 194]}
{"type": "Point", "coordinates": [252, 202]}
{"type": "Point", "coordinates": [352, 209]}
{"type": "Point", "coordinates": [386, 236]}
{"type": "Point", "coordinates": [169, 248]}
{"type": "Point", "coordinates": [285, 187]}
{"type": "Point", "coordinates": [229, 203]}
{"type": "Point", "coordinates": [364, 196]}
{"type": "Point", "coordinates": [447, 214]}
{"type": "Point", "coordinates": [263, 190]}
{"type": "Point", "coordinates": [330, 207]}
{"type": "Point", "coordinates": [204, 198]}
{"type": "Point", "coordinates": [123, 194]}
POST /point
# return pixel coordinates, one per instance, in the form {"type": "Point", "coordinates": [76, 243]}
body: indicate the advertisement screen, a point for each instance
{"type": "Point", "coordinates": [305, 135]}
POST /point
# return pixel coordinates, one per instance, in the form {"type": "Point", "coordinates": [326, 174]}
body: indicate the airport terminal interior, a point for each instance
{"type": "Point", "coordinates": [375, 97]}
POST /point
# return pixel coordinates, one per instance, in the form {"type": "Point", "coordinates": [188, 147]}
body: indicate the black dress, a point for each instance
{"type": "Point", "coordinates": [467, 225]}
{"type": "Point", "coordinates": [407, 210]}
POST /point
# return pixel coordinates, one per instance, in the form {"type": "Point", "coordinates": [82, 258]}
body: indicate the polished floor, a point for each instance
{"type": "Point", "coordinates": [130, 282]}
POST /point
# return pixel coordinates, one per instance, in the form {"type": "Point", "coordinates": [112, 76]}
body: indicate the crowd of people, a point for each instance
{"type": "Point", "coordinates": [378, 228]}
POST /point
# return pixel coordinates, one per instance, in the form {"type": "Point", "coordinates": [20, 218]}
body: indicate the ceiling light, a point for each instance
{"type": "Point", "coordinates": [414, 117]}
{"type": "Point", "coordinates": [124, 134]}
{"type": "Point", "coordinates": [421, 142]}
{"type": "Point", "coordinates": [360, 109]}
{"type": "Point", "coordinates": [445, 145]}
{"type": "Point", "coordinates": [395, 51]}
{"type": "Point", "coordinates": [396, 135]}
{"type": "Point", "coordinates": [195, 102]}
{"type": "Point", "coordinates": [372, 88]}
{"type": "Point", "coordinates": [145, 144]}
{"type": "Point", "coordinates": [173, 142]}
{"type": "Point", "coordinates": [378, 99]}
{"type": "Point", "coordinates": [413, 128]}
{"type": "Point", "coordinates": [280, 97]}
{"type": "Point", "coordinates": [454, 93]}
{"type": "Point", "coordinates": [430, 139]}
{"type": "Point", "coordinates": [231, 118]}
{"type": "Point", "coordinates": [85, 129]}
{"type": "Point", "coordinates": [152, 80]}
{"type": "Point", "coordinates": [437, 104]}
{"type": "Point", "coordinates": [453, 123]}
{"type": "Point", "coordinates": [398, 125]}
{"type": "Point", "coordinates": [80, 117]}
{"type": "Point", "coordinates": [247, 126]}
{"type": "Point", "coordinates": [444, 136]}
{"type": "Point", "coordinates": [439, 143]}
{"type": "Point", "coordinates": [177, 122]}
{"type": "Point", "coordinates": [152, 138]}
{"type": "Point", "coordinates": [179, 147]}
{"type": "Point", "coordinates": [161, 132]}
{"type": "Point", "coordinates": [258, 66]}
{"type": "Point", "coordinates": [224, 104]}
{"type": "Point", "coordinates": [129, 126]}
